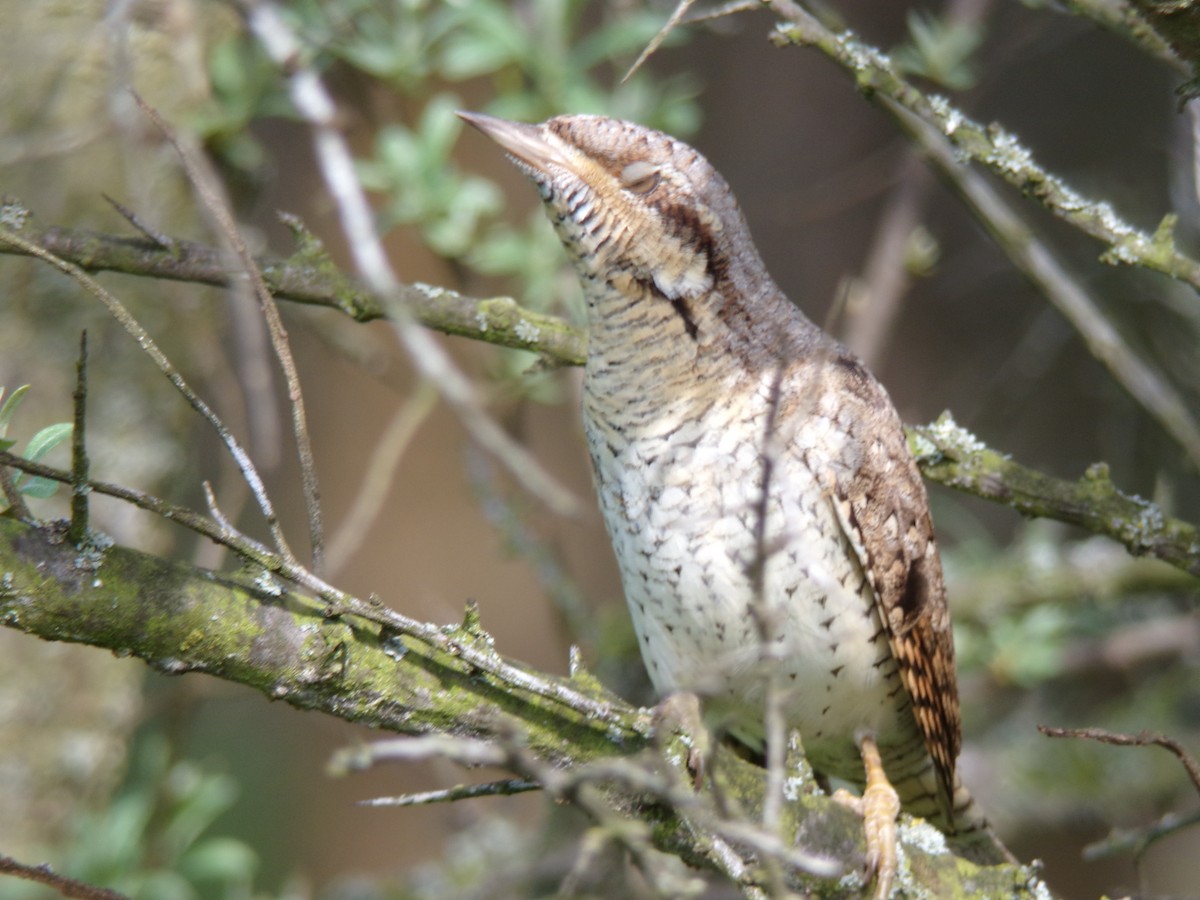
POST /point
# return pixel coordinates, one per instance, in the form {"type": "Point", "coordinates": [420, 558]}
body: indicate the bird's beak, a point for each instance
{"type": "Point", "coordinates": [526, 143]}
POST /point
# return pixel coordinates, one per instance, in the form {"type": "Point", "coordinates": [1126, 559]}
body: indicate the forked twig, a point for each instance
{"type": "Point", "coordinates": [240, 457]}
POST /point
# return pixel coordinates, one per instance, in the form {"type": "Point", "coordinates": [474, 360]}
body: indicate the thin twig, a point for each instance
{"type": "Point", "coordinates": [208, 188]}
{"type": "Point", "coordinates": [989, 145]}
{"type": "Point", "coordinates": [218, 532]}
{"type": "Point", "coordinates": [162, 241]}
{"type": "Point", "coordinates": [681, 9]}
{"type": "Point", "coordinates": [504, 788]}
{"type": "Point", "coordinates": [952, 138]}
{"type": "Point", "coordinates": [1138, 840]}
{"type": "Point", "coordinates": [1124, 20]}
{"type": "Point", "coordinates": [1035, 259]}
{"type": "Point", "coordinates": [77, 531]}
{"type": "Point", "coordinates": [1142, 739]}
{"type": "Point", "coordinates": [523, 540]}
{"type": "Point", "coordinates": [67, 887]}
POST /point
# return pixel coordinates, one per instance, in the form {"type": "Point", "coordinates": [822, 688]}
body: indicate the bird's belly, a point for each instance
{"type": "Point", "coordinates": [723, 607]}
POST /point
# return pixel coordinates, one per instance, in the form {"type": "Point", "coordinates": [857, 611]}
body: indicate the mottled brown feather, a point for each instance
{"type": "Point", "coordinates": [886, 515]}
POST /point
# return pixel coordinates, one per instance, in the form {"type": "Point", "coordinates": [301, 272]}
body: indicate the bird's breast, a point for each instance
{"type": "Point", "coordinates": [733, 562]}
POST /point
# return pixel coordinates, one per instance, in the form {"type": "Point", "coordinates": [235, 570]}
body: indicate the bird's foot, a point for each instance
{"type": "Point", "coordinates": [879, 806]}
{"type": "Point", "coordinates": [680, 713]}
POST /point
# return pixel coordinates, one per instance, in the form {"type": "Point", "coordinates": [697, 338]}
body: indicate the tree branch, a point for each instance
{"type": "Point", "coordinates": [310, 277]}
{"type": "Point", "coordinates": [183, 619]}
{"type": "Point", "coordinates": [992, 147]}
{"type": "Point", "coordinates": [952, 456]}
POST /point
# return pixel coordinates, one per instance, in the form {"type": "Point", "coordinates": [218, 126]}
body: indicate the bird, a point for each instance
{"type": "Point", "coordinates": [770, 525]}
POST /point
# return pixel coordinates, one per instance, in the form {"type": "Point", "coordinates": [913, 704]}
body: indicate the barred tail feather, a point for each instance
{"type": "Point", "coordinates": [964, 823]}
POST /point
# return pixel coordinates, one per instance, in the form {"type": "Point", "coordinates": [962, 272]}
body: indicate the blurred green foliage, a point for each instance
{"type": "Point", "coordinates": [940, 50]}
{"type": "Point", "coordinates": [151, 840]}
{"type": "Point", "coordinates": [538, 59]}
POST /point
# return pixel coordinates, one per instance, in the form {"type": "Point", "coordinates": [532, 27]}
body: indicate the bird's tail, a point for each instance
{"type": "Point", "coordinates": [962, 819]}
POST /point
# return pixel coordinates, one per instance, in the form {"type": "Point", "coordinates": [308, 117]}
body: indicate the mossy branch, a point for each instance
{"type": "Point", "coordinates": [247, 630]}
{"type": "Point", "coordinates": [991, 146]}
{"type": "Point", "coordinates": [310, 277]}
{"type": "Point", "coordinates": [952, 456]}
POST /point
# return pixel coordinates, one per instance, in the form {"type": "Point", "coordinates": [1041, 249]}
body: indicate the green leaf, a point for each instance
{"type": "Point", "coordinates": [9, 406]}
{"type": "Point", "coordinates": [219, 860]}
{"type": "Point", "coordinates": [37, 487]}
{"type": "Point", "coordinates": [46, 440]}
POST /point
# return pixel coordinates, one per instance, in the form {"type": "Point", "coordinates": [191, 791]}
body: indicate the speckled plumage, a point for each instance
{"type": "Point", "coordinates": [753, 475]}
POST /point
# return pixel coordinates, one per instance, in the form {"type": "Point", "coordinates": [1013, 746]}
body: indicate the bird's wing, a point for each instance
{"type": "Point", "coordinates": [883, 509]}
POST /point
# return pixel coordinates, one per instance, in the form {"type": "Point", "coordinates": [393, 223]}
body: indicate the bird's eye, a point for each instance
{"type": "Point", "coordinates": [641, 177]}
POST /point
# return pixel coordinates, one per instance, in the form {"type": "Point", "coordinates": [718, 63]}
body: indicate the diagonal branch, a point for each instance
{"type": "Point", "coordinates": [992, 147]}
{"type": "Point", "coordinates": [210, 191]}
{"type": "Point", "coordinates": [317, 109]}
{"type": "Point", "coordinates": [183, 619]}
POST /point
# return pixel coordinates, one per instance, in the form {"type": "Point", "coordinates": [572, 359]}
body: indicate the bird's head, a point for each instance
{"type": "Point", "coordinates": [633, 206]}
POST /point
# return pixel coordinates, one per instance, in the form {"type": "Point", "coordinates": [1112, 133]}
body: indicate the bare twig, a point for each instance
{"type": "Point", "coordinates": [162, 241]}
{"type": "Point", "coordinates": [504, 788]}
{"type": "Point", "coordinates": [131, 325]}
{"type": "Point", "coordinates": [1035, 259]}
{"type": "Point", "coordinates": [377, 479]}
{"type": "Point", "coordinates": [876, 303]}
{"type": "Point", "coordinates": [681, 9]}
{"type": "Point", "coordinates": [991, 146]}
{"type": "Point", "coordinates": [1138, 840]}
{"type": "Point", "coordinates": [523, 540]}
{"type": "Point", "coordinates": [1142, 739]}
{"type": "Point", "coordinates": [208, 187]}
{"type": "Point", "coordinates": [951, 138]}
{"type": "Point", "coordinates": [1122, 18]}
{"type": "Point", "coordinates": [67, 887]}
